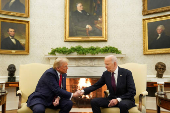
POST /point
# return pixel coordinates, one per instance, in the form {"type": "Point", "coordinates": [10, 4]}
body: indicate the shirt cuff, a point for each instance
{"type": "Point", "coordinates": [71, 96]}
{"type": "Point", "coordinates": [82, 91]}
{"type": "Point", "coordinates": [87, 26]}
{"type": "Point", "coordinates": [119, 99]}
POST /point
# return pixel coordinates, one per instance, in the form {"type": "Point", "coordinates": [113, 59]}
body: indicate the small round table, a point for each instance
{"type": "Point", "coordinates": [163, 100]}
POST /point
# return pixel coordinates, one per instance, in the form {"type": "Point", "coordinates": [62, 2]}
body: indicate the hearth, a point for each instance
{"type": "Point", "coordinates": [74, 84]}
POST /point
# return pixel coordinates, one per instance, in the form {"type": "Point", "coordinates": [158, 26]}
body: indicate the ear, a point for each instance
{"type": "Point", "coordinates": [57, 68]}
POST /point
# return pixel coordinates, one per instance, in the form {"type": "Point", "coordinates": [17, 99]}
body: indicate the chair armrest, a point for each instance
{"type": "Point", "coordinates": [106, 92]}
{"type": "Point", "coordinates": [143, 94]}
{"type": "Point", "coordinates": [19, 93]}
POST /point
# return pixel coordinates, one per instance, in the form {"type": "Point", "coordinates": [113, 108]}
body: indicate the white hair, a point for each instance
{"type": "Point", "coordinates": [161, 26]}
{"type": "Point", "coordinates": [78, 3]}
{"type": "Point", "coordinates": [114, 59]}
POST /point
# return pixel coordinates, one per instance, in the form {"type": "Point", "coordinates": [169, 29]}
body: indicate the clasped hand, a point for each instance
{"type": "Point", "coordinates": [78, 93]}
{"type": "Point", "coordinates": [113, 102]}
{"type": "Point", "coordinates": [56, 102]}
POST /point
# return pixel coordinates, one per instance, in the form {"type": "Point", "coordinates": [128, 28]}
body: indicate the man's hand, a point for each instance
{"type": "Point", "coordinates": [113, 102]}
{"type": "Point", "coordinates": [56, 102]}
{"type": "Point", "coordinates": [77, 93]}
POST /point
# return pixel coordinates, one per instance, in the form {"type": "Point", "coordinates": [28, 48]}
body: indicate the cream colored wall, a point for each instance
{"type": "Point", "coordinates": [47, 31]}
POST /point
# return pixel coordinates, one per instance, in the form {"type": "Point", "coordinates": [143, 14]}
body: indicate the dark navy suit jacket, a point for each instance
{"type": "Point", "coordinates": [125, 88]}
{"type": "Point", "coordinates": [48, 88]}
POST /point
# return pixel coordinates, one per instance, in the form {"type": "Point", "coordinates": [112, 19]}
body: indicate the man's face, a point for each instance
{"type": "Point", "coordinates": [80, 7]}
{"type": "Point", "coordinates": [160, 70]}
{"type": "Point", "coordinates": [63, 68]}
{"type": "Point", "coordinates": [109, 65]}
{"type": "Point", "coordinates": [11, 32]}
{"type": "Point", "coordinates": [159, 30]}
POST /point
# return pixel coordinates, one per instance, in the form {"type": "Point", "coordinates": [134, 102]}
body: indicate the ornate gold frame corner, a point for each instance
{"type": "Point", "coordinates": [145, 10]}
{"type": "Point", "coordinates": [26, 14]}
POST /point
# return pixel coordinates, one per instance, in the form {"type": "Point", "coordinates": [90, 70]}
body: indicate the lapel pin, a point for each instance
{"type": "Point", "coordinates": [63, 77]}
{"type": "Point", "coordinates": [120, 75]}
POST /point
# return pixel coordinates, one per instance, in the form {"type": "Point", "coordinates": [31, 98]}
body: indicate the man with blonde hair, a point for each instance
{"type": "Point", "coordinates": [120, 84]}
{"type": "Point", "coordinates": [51, 91]}
{"type": "Point", "coordinates": [162, 40]}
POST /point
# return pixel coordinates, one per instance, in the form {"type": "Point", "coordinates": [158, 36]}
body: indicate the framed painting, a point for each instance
{"type": "Point", "coordinates": [155, 6]}
{"type": "Point", "coordinates": [156, 35]}
{"type": "Point", "coordinates": [14, 36]}
{"type": "Point", "coordinates": [15, 7]}
{"type": "Point", "coordinates": [85, 20]}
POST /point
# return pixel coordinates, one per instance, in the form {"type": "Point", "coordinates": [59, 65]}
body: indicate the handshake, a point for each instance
{"type": "Point", "coordinates": [78, 93]}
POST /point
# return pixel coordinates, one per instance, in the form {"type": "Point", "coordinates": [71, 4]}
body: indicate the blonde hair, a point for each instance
{"type": "Point", "coordinates": [58, 62]}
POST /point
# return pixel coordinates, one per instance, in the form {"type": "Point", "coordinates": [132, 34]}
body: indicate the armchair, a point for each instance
{"type": "Point", "coordinates": [139, 72]}
{"type": "Point", "coordinates": [29, 75]}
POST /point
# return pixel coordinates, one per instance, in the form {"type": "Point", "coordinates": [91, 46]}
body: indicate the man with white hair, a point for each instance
{"type": "Point", "coordinates": [162, 40]}
{"type": "Point", "coordinates": [120, 84]}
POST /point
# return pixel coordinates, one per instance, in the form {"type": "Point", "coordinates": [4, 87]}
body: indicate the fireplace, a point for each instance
{"type": "Point", "coordinates": [74, 84]}
{"type": "Point", "coordinates": [84, 66]}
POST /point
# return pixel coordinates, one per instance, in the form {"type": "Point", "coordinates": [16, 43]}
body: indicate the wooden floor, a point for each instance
{"type": "Point", "coordinates": [147, 111]}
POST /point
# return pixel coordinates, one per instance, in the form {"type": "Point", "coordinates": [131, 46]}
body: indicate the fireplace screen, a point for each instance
{"type": "Point", "coordinates": [74, 84]}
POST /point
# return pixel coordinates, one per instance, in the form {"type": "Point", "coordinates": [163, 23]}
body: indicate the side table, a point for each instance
{"type": "Point", "coordinates": [163, 101]}
{"type": "Point", "coordinates": [12, 84]}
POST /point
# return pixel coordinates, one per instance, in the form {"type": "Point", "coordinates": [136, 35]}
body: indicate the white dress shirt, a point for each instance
{"type": "Point", "coordinates": [116, 76]}
{"type": "Point", "coordinates": [13, 40]}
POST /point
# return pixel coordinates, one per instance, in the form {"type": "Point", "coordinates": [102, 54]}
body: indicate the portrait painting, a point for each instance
{"type": "Point", "coordinates": [155, 6]}
{"type": "Point", "coordinates": [15, 7]}
{"type": "Point", "coordinates": [85, 20]}
{"type": "Point", "coordinates": [14, 36]}
{"type": "Point", "coordinates": [156, 35]}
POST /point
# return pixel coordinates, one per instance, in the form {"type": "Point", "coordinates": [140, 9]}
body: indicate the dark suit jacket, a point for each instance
{"type": "Point", "coordinates": [125, 88]}
{"type": "Point", "coordinates": [162, 42]}
{"type": "Point", "coordinates": [48, 88]}
{"type": "Point", "coordinates": [9, 45]}
{"type": "Point", "coordinates": [17, 6]}
{"type": "Point", "coordinates": [82, 19]}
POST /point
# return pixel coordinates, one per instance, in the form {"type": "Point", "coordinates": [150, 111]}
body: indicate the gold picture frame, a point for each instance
{"type": "Point", "coordinates": [14, 36]}
{"type": "Point", "coordinates": [155, 6]}
{"type": "Point", "coordinates": [156, 35]}
{"type": "Point", "coordinates": [17, 8]}
{"type": "Point", "coordinates": [76, 29]}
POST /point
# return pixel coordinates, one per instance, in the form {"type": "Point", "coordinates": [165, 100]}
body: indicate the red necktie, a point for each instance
{"type": "Point", "coordinates": [113, 82]}
{"type": "Point", "coordinates": [60, 80]}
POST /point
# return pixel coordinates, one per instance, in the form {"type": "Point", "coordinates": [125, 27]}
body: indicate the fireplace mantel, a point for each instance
{"type": "Point", "coordinates": [84, 65]}
{"type": "Point", "coordinates": [83, 60]}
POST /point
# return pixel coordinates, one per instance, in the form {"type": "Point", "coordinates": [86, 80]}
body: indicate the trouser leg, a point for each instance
{"type": "Point", "coordinates": [99, 102]}
{"type": "Point", "coordinates": [38, 108]}
{"type": "Point", "coordinates": [125, 105]}
{"type": "Point", "coordinates": [65, 106]}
